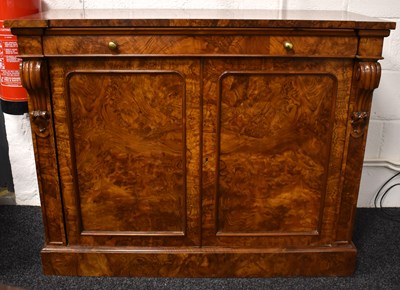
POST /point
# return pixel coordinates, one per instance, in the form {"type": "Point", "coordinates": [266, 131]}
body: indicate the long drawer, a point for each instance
{"type": "Point", "coordinates": [244, 45]}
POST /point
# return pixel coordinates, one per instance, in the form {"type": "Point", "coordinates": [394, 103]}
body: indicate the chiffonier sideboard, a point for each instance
{"type": "Point", "coordinates": [199, 143]}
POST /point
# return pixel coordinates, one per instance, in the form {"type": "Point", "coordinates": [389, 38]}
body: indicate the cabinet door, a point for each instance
{"type": "Point", "coordinates": [274, 137]}
{"type": "Point", "coordinates": [128, 139]}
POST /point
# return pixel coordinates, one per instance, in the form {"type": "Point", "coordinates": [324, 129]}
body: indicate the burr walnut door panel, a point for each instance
{"type": "Point", "coordinates": [274, 137]}
{"type": "Point", "coordinates": [128, 138]}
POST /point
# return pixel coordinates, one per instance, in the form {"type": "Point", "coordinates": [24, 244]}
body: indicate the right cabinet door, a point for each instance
{"type": "Point", "coordinates": [274, 134]}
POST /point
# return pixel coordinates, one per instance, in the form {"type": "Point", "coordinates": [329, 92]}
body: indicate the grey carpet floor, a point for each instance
{"type": "Point", "coordinates": [21, 238]}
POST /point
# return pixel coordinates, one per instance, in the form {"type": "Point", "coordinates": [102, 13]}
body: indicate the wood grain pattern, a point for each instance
{"type": "Point", "coordinates": [370, 44]}
{"type": "Point", "coordinates": [129, 128]}
{"type": "Point", "coordinates": [34, 79]}
{"type": "Point", "coordinates": [274, 138]}
{"type": "Point", "coordinates": [262, 44]}
{"type": "Point", "coordinates": [366, 80]}
{"type": "Point", "coordinates": [212, 262]}
{"type": "Point", "coordinates": [156, 44]}
{"type": "Point", "coordinates": [368, 75]}
{"type": "Point", "coordinates": [314, 46]}
{"type": "Point", "coordinates": [267, 141]}
{"type": "Point", "coordinates": [201, 146]}
{"type": "Point", "coordinates": [28, 45]}
{"type": "Point", "coordinates": [128, 140]}
{"type": "Point", "coordinates": [199, 18]}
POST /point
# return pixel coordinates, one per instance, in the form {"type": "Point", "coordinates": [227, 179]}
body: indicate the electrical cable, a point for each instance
{"type": "Point", "coordinates": [380, 198]}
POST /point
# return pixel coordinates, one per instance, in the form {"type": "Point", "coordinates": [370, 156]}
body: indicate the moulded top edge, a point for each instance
{"type": "Point", "coordinates": [199, 18]}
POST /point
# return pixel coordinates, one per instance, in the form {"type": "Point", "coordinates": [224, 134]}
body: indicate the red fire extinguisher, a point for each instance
{"type": "Point", "coordinates": [10, 82]}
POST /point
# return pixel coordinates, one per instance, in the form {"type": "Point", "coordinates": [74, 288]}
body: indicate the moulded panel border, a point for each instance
{"type": "Point", "coordinates": [317, 230]}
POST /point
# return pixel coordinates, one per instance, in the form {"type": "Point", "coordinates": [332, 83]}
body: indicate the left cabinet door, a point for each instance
{"type": "Point", "coordinates": [128, 139]}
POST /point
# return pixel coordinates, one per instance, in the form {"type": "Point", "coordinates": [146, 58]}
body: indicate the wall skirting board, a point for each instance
{"type": "Point", "coordinates": [393, 165]}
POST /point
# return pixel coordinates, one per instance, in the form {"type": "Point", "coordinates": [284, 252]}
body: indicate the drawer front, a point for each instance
{"type": "Point", "coordinates": [285, 45]}
{"type": "Point", "coordinates": [313, 46]}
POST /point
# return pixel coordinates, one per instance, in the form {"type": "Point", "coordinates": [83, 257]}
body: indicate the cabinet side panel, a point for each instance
{"type": "Point", "coordinates": [49, 186]}
{"type": "Point", "coordinates": [366, 78]}
{"type": "Point", "coordinates": [35, 79]}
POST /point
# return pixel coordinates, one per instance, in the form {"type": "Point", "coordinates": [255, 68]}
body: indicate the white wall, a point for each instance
{"type": "Point", "coordinates": [384, 136]}
{"type": "Point", "coordinates": [22, 159]}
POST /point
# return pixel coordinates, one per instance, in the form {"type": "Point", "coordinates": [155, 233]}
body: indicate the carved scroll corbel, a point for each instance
{"type": "Point", "coordinates": [368, 76]}
{"type": "Point", "coordinates": [34, 79]}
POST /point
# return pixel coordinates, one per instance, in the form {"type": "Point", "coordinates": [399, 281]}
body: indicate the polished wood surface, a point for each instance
{"type": "Point", "coordinates": [200, 45]}
{"type": "Point", "coordinates": [34, 78]}
{"type": "Point", "coordinates": [192, 262]}
{"type": "Point", "coordinates": [201, 18]}
{"type": "Point", "coordinates": [128, 144]}
{"type": "Point", "coordinates": [274, 137]}
{"type": "Point", "coordinates": [271, 178]}
{"type": "Point", "coordinates": [145, 146]}
{"type": "Point", "coordinates": [199, 143]}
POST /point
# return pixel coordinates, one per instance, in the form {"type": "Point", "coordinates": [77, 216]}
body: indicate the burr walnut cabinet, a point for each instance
{"type": "Point", "coordinates": [199, 143]}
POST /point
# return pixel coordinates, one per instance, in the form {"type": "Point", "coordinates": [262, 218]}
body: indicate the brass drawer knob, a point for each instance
{"type": "Point", "coordinates": [112, 45]}
{"type": "Point", "coordinates": [288, 45]}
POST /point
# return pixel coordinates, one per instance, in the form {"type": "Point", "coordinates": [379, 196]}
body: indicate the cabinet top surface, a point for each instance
{"type": "Point", "coordinates": [246, 18]}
